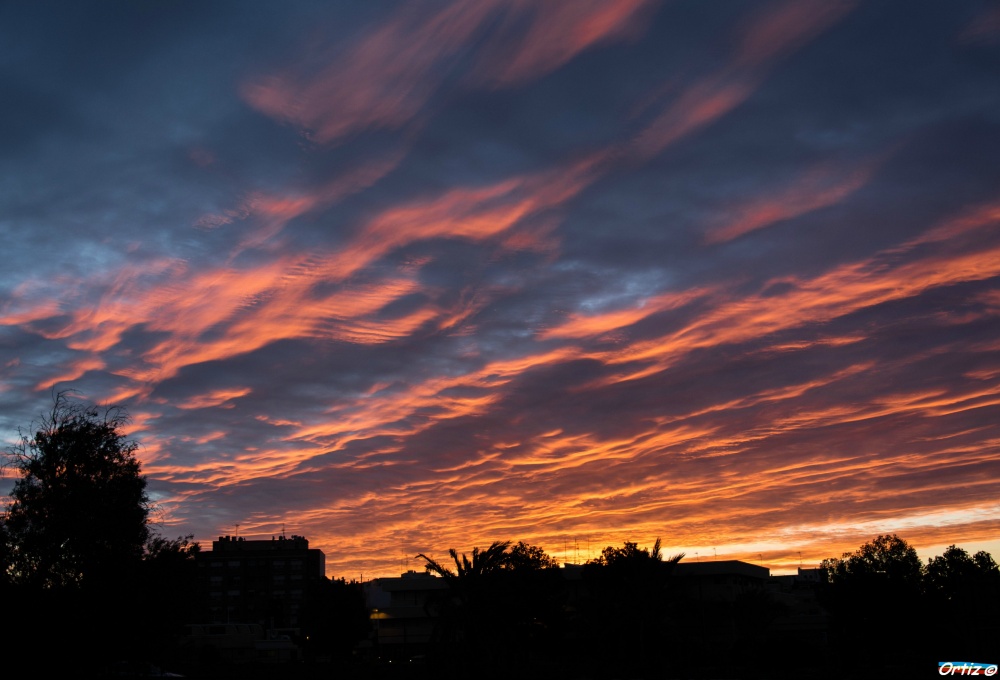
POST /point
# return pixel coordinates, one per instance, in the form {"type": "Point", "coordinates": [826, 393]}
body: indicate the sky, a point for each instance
{"type": "Point", "coordinates": [405, 277]}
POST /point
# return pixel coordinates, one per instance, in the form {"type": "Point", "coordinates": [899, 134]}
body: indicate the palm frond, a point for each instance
{"type": "Point", "coordinates": [433, 566]}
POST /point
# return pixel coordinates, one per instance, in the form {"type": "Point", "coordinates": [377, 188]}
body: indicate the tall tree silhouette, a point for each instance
{"type": "Point", "coordinates": [79, 509]}
{"type": "Point", "coordinates": [501, 606]}
{"type": "Point", "coordinates": [963, 596]}
{"type": "Point", "coordinates": [465, 610]}
{"type": "Point", "coordinates": [76, 527]}
{"type": "Point", "coordinates": [874, 594]}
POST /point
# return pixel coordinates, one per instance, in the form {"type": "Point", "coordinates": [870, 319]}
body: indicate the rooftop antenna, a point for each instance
{"type": "Point", "coordinates": [237, 531]}
{"type": "Point", "coordinates": [715, 551]}
{"type": "Point", "coordinates": [282, 529]}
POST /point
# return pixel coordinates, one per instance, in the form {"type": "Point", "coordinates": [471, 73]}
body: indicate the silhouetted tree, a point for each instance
{"type": "Point", "coordinates": [957, 576]}
{"type": "Point", "coordinates": [874, 594]}
{"type": "Point", "coordinates": [78, 510]}
{"type": "Point", "coordinates": [963, 593]}
{"type": "Point", "coordinates": [5, 558]}
{"type": "Point", "coordinates": [631, 555]}
{"type": "Point", "coordinates": [887, 558]}
{"type": "Point", "coordinates": [75, 531]}
{"type": "Point", "coordinates": [502, 606]}
{"type": "Point", "coordinates": [483, 562]}
{"type": "Point", "coordinates": [465, 610]}
{"type": "Point", "coordinates": [523, 556]}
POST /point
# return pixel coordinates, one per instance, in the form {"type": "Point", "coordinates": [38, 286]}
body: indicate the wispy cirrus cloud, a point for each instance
{"type": "Point", "coordinates": [819, 187]}
{"type": "Point", "coordinates": [387, 78]}
{"type": "Point", "coordinates": [777, 30]}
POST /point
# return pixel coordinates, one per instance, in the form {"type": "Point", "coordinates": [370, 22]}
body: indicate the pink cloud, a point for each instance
{"type": "Point", "coordinates": [214, 398]}
{"type": "Point", "coordinates": [556, 33]}
{"type": "Point", "coordinates": [778, 30]}
{"type": "Point", "coordinates": [386, 78]}
{"type": "Point", "coordinates": [74, 371]}
{"type": "Point", "coordinates": [821, 186]}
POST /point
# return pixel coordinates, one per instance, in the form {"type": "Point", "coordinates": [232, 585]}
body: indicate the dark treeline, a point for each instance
{"type": "Point", "coordinates": [633, 614]}
{"type": "Point", "coordinates": [89, 588]}
{"type": "Point", "coordinates": [512, 607]}
{"type": "Point", "coordinates": [890, 611]}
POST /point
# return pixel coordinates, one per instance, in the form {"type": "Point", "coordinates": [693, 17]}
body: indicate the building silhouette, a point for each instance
{"type": "Point", "coordinates": [261, 582]}
{"type": "Point", "coordinates": [720, 580]}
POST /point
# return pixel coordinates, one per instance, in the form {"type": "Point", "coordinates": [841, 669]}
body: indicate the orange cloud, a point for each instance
{"type": "Point", "coordinates": [214, 398]}
{"type": "Point", "coordinates": [838, 292]}
{"type": "Point", "coordinates": [841, 291]}
{"type": "Point", "coordinates": [435, 396]}
{"type": "Point", "coordinates": [700, 104]}
{"type": "Point", "coordinates": [274, 301]}
{"type": "Point", "coordinates": [385, 79]}
{"type": "Point", "coordinates": [74, 371]}
{"type": "Point", "coordinates": [227, 311]}
{"type": "Point", "coordinates": [474, 214]}
{"type": "Point", "coordinates": [785, 27]}
{"type": "Point", "coordinates": [274, 212]}
{"type": "Point", "coordinates": [43, 310]}
{"type": "Point", "coordinates": [581, 326]}
{"type": "Point", "coordinates": [966, 225]}
{"type": "Point", "coordinates": [820, 187]}
{"type": "Point", "coordinates": [623, 484]}
{"type": "Point", "coordinates": [503, 472]}
{"type": "Point", "coordinates": [777, 31]}
{"type": "Point", "coordinates": [558, 32]}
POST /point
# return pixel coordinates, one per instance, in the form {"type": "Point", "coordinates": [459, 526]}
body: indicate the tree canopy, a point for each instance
{"type": "Point", "coordinates": [959, 577]}
{"type": "Point", "coordinates": [79, 509]}
{"type": "Point", "coordinates": [878, 594]}
{"type": "Point", "coordinates": [631, 558]}
{"type": "Point", "coordinates": [525, 556]}
{"type": "Point", "coordinates": [886, 558]}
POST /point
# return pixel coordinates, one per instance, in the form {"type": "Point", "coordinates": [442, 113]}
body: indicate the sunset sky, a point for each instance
{"type": "Point", "coordinates": [410, 276]}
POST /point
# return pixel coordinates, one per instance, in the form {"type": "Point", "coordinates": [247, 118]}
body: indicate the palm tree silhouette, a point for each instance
{"type": "Point", "coordinates": [469, 610]}
{"type": "Point", "coordinates": [483, 562]}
